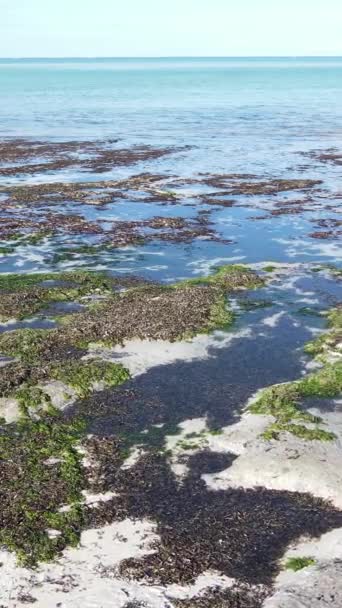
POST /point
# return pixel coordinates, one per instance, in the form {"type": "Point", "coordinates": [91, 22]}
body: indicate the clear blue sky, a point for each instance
{"type": "Point", "coordinates": [60, 28]}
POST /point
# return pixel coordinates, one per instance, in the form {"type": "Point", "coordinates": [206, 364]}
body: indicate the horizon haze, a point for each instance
{"type": "Point", "coordinates": [43, 29]}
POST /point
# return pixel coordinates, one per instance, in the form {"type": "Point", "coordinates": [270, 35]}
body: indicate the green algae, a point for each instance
{"type": "Point", "coordinates": [27, 345]}
{"type": "Point", "coordinates": [19, 240]}
{"type": "Point", "coordinates": [188, 445]}
{"type": "Point", "coordinates": [332, 268]}
{"type": "Point", "coordinates": [220, 316]}
{"type": "Point", "coordinates": [325, 383]}
{"type": "Point", "coordinates": [25, 295]}
{"type": "Point", "coordinates": [83, 375]}
{"type": "Point", "coordinates": [34, 491]}
{"type": "Point", "coordinates": [335, 318]}
{"type": "Point", "coordinates": [6, 250]}
{"type": "Point", "coordinates": [85, 278]}
{"type": "Point", "coordinates": [250, 305]}
{"type": "Point", "coordinates": [309, 312]}
{"type": "Point", "coordinates": [65, 254]}
{"type": "Point", "coordinates": [298, 430]}
{"type": "Point", "coordinates": [197, 440]}
{"type": "Point", "coordinates": [229, 277]}
{"type": "Point", "coordinates": [31, 397]}
{"type": "Point", "coordinates": [326, 344]}
{"type": "Point", "coordinates": [298, 563]}
{"type": "Point", "coordinates": [282, 402]}
{"type": "Point", "coordinates": [30, 347]}
{"type": "Point", "coordinates": [36, 238]}
{"type": "Point", "coordinates": [269, 268]}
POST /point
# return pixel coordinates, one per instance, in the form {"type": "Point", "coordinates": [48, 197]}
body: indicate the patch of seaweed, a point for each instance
{"type": "Point", "coordinates": [96, 156]}
{"type": "Point", "coordinates": [240, 595]}
{"type": "Point", "coordinates": [240, 533]}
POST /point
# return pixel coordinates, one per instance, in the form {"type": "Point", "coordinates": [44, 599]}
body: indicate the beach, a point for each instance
{"type": "Point", "coordinates": [170, 333]}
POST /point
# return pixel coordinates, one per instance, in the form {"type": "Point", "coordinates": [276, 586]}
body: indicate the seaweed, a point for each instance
{"type": "Point", "coordinates": [230, 277]}
{"type": "Point", "coordinates": [298, 563]}
{"type": "Point", "coordinates": [83, 375]}
{"type": "Point", "coordinates": [33, 491]}
{"type": "Point", "coordinates": [282, 401]}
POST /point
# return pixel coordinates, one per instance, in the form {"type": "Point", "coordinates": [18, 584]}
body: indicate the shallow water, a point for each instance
{"type": "Point", "coordinates": [250, 116]}
{"type": "Point", "coordinates": [247, 116]}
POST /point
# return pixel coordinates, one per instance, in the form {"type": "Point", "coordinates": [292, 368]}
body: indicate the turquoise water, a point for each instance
{"type": "Point", "coordinates": [244, 111]}
{"type": "Point", "coordinates": [237, 115]}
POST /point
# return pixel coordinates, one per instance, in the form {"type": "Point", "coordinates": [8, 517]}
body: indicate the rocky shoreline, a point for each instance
{"type": "Point", "coordinates": [170, 438]}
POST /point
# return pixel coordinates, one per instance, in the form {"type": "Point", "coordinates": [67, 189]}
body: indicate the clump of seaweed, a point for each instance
{"type": "Point", "coordinates": [329, 344]}
{"type": "Point", "coordinates": [240, 595]}
{"type": "Point", "coordinates": [39, 363]}
{"type": "Point", "coordinates": [241, 533]}
{"type": "Point", "coordinates": [41, 471]}
{"type": "Point", "coordinates": [331, 155]}
{"type": "Point", "coordinates": [298, 563]}
{"type": "Point", "coordinates": [282, 401]}
{"type": "Point", "coordinates": [82, 376]}
{"type": "Point", "coordinates": [95, 156]}
{"type": "Point", "coordinates": [250, 185]}
{"type": "Point", "coordinates": [230, 277]}
{"type": "Point", "coordinates": [32, 398]}
{"type": "Point", "coordinates": [25, 295]}
{"type": "Point", "coordinates": [144, 311]}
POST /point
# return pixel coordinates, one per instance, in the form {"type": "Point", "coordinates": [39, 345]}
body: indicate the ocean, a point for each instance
{"type": "Point", "coordinates": [243, 115]}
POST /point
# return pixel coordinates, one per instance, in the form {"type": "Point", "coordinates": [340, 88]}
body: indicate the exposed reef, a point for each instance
{"type": "Point", "coordinates": [25, 156]}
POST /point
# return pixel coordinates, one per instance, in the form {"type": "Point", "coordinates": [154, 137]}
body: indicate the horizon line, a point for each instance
{"type": "Point", "coordinates": [30, 57]}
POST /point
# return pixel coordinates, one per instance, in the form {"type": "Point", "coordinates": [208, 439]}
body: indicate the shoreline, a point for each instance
{"type": "Point", "coordinates": [171, 427]}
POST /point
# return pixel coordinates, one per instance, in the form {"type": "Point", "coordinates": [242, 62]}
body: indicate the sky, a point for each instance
{"type": "Point", "coordinates": [149, 28]}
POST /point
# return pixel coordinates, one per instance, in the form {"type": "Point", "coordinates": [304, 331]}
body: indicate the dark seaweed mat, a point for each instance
{"type": "Point", "coordinates": [238, 596]}
{"type": "Point", "coordinates": [240, 533]}
{"type": "Point", "coordinates": [216, 387]}
{"type": "Point", "coordinates": [116, 234]}
{"type": "Point", "coordinates": [135, 604]}
{"type": "Point", "coordinates": [98, 156]}
{"type": "Point", "coordinates": [154, 313]}
{"type": "Point", "coordinates": [209, 462]}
